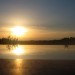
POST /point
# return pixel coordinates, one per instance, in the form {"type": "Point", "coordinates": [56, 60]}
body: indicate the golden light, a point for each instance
{"type": "Point", "coordinates": [18, 51]}
{"type": "Point", "coordinates": [18, 64]}
{"type": "Point", "coordinates": [18, 30]}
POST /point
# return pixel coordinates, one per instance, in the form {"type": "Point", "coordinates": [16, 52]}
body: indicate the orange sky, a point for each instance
{"type": "Point", "coordinates": [36, 34]}
{"type": "Point", "coordinates": [44, 19]}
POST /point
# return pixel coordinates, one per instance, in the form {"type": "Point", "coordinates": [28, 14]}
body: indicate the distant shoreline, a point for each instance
{"type": "Point", "coordinates": [63, 41]}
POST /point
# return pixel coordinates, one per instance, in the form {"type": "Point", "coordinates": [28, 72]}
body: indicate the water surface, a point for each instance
{"type": "Point", "coordinates": [37, 51]}
{"type": "Point", "coordinates": [37, 60]}
{"type": "Point", "coordinates": [36, 67]}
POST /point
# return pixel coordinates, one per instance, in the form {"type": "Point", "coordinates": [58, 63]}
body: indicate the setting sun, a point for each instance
{"type": "Point", "coordinates": [19, 31]}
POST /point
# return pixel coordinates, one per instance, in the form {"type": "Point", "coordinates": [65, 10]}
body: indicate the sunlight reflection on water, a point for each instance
{"type": "Point", "coordinates": [37, 51]}
{"type": "Point", "coordinates": [18, 66]}
{"type": "Point", "coordinates": [18, 50]}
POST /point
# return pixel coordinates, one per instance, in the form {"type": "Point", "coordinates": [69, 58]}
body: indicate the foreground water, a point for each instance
{"type": "Point", "coordinates": [37, 52]}
{"type": "Point", "coordinates": [36, 67]}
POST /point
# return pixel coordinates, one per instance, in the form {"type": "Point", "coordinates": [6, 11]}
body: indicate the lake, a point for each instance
{"type": "Point", "coordinates": [37, 52]}
{"type": "Point", "coordinates": [37, 60]}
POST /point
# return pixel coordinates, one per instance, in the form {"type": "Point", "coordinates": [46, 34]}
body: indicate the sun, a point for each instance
{"type": "Point", "coordinates": [18, 30]}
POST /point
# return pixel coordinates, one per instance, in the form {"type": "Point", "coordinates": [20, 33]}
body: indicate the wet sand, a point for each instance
{"type": "Point", "coordinates": [36, 67]}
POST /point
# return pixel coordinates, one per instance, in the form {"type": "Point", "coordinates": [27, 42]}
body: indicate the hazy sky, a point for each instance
{"type": "Point", "coordinates": [46, 18]}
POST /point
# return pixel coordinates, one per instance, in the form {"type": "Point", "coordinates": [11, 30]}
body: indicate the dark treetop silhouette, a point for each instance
{"type": "Point", "coordinates": [63, 41]}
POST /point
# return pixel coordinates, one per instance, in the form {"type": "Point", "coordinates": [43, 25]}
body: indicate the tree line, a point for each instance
{"type": "Point", "coordinates": [63, 41]}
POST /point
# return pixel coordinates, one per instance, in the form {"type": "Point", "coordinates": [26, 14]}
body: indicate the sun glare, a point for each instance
{"type": "Point", "coordinates": [19, 31]}
{"type": "Point", "coordinates": [18, 51]}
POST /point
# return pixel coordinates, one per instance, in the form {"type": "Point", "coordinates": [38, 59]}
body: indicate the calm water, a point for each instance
{"type": "Point", "coordinates": [36, 60]}
{"type": "Point", "coordinates": [37, 51]}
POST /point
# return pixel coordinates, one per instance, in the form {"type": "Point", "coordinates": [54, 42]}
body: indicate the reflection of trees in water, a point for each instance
{"type": "Point", "coordinates": [16, 49]}
{"type": "Point", "coordinates": [66, 46]}
{"type": "Point", "coordinates": [11, 47]}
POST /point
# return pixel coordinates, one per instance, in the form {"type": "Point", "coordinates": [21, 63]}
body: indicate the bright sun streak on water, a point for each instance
{"type": "Point", "coordinates": [18, 51]}
{"type": "Point", "coordinates": [18, 30]}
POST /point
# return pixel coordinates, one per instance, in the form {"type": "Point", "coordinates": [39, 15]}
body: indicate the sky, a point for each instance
{"type": "Point", "coordinates": [45, 19]}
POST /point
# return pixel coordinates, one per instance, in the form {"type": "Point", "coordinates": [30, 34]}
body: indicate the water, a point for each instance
{"type": "Point", "coordinates": [36, 67]}
{"type": "Point", "coordinates": [37, 60]}
{"type": "Point", "coordinates": [37, 52]}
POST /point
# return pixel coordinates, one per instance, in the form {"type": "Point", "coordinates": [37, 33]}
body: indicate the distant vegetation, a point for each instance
{"type": "Point", "coordinates": [63, 41]}
{"type": "Point", "coordinates": [8, 40]}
